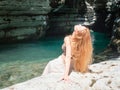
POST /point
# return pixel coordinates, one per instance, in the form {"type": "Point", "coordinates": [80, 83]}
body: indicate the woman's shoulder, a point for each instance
{"type": "Point", "coordinates": [67, 38]}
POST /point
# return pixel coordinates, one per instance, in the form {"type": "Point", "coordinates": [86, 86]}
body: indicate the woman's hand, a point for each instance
{"type": "Point", "coordinates": [65, 78]}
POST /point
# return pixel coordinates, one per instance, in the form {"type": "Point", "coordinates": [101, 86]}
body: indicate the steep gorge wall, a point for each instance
{"type": "Point", "coordinates": [29, 19]}
{"type": "Point", "coordinates": [108, 21]}
{"type": "Point", "coordinates": [63, 17]}
{"type": "Point", "coordinates": [23, 19]}
{"type": "Point", "coordinates": [115, 15]}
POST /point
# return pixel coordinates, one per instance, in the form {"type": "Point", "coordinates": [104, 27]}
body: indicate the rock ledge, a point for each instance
{"type": "Point", "coordinates": [103, 76]}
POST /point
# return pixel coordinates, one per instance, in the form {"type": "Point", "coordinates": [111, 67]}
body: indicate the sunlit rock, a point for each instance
{"type": "Point", "coordinates": [103, 75]}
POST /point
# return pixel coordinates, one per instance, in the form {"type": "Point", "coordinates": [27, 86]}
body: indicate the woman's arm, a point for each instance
{"type": "Point", "coordinates": [67, 58]}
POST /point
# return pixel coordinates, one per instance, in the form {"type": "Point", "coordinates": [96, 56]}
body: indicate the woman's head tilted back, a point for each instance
{"type": "Point", "coordinates": [81, 48]}
{"type": "Point", "coordinates": [79, 32]}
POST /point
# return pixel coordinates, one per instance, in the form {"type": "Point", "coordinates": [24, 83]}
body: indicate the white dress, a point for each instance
{"type": "Point", "coordinates": [55, 66]}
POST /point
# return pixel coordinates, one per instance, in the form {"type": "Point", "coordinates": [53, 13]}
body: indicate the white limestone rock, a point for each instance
{"type": "Point", "coordinates": [103, 76]}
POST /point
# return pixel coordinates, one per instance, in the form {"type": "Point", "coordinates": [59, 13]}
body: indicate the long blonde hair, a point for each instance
{"type": "Point", "coordinates": [82, 51]}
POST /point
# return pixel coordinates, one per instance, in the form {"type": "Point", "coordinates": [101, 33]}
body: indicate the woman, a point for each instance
{"type": "Point", "coordinates": [77, 53]}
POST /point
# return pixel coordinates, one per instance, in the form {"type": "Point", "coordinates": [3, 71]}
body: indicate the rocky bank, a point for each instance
{"type": "Point", "coordinates": [102, 76]}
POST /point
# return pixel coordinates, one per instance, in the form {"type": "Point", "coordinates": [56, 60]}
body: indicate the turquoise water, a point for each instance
{"type": "Point", "coordinates": [45, 49]}
{"type": "Point", "coordinates": [41, 50]}
{"type": "Point", "coordinates": [100, 41]}
{"type": "Point", "coordinates": [23, 61]}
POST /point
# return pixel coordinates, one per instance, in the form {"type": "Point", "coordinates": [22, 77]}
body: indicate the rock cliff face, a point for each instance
{"type": "Point", "coordinates": [23, 19]}
{"type": "Point", "coordinates": [115, 40]}
{"type": "Point", "coordinates": [113, 22]}
{"type": "Point", "coordinates": [108, 21]}
{"type": "Point", "coordinates": [30, 20]}
{"type": "Point", "coordinates": [65, 16]}
{"type": "Point", "coordinates": [101, 14]}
